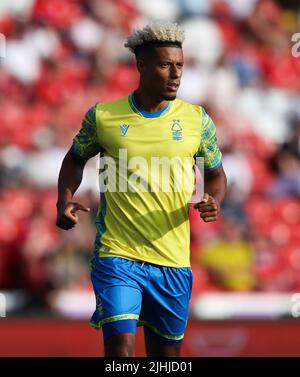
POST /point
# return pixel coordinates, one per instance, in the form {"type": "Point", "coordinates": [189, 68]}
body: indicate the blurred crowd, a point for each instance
{"type": "Point", "coordinates": [63, 56]}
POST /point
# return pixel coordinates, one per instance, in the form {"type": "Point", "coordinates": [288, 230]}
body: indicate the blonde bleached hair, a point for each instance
{"type": "Point", "coordinates": [159, 32]}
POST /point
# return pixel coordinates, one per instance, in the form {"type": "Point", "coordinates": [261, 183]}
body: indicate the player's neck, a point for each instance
{"type": "Point", "coordinates": [148, 103]}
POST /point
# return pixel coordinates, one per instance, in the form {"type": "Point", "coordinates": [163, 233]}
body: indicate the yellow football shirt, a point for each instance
{"type": "Point", "coordinates": [143, 213]}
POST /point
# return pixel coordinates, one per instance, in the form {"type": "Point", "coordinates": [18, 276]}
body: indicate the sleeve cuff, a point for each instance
{"type": "Point", "coordinates": [214, 167]}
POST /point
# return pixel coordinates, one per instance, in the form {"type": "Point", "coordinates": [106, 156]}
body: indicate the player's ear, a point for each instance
{"type": "Point", "coordinates": [140, 64]}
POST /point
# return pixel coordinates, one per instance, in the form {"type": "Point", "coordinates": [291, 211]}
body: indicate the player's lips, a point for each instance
{"type": "Point", "coordinates": [173, 85]}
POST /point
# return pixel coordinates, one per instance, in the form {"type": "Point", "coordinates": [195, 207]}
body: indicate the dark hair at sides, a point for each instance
{"type": "Point", "coordinates": [153, 44]}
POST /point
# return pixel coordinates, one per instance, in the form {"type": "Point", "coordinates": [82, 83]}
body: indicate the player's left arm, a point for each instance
{"type": "Point", "coordinates": [215, 182]}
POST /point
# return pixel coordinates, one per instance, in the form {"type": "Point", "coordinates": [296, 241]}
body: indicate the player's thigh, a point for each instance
{"type": "Point", "coordinates": [165, 308]}
{"type": "Point", "coordinates": [120, 345]}
{"type": "Point", "coordinates": [118, 295]}
{"type": "Point", "coordinates": [157, 346]}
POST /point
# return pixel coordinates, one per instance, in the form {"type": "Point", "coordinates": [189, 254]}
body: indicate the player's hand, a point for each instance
{"type": "Point", "coordinates": [67, 216]}
{"type": "Point", "coordinates": [208, 207]}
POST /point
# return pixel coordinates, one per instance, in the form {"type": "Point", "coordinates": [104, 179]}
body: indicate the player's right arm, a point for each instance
{"type": "Point", "coordinates": [85, 145]}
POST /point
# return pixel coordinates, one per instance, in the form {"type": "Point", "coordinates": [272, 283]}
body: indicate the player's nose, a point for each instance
{"type": "Point", "coordinates": [175, 73]}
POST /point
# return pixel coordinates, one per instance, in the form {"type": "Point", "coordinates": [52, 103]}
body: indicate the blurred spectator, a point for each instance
{"type": "Point", "coordinates": [287, 183]}
{"type": "Point", "coordinates": [229, 260]}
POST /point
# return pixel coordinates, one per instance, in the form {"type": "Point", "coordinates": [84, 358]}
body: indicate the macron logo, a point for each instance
{"type": "Point", "coordinates": [124, 129]}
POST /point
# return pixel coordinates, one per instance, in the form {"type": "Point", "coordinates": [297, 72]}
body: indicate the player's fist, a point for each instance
{"type": "Point", "coordinates": [208, 207]}
{"type": "Point", "coordinates": [67, 216]}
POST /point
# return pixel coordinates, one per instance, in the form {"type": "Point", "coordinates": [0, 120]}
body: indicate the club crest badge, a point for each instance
{"type": "Point", "coordinates": [176, 130]}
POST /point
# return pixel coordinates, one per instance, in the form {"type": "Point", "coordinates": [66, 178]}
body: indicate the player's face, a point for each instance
{"type": "Point", "coordinates": [162, 72]}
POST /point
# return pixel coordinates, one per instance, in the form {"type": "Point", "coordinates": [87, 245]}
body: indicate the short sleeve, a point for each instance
{"type": "Point", "coordinates": [208, 148]}
{"type": "Point", "coordinates": [85, 143]}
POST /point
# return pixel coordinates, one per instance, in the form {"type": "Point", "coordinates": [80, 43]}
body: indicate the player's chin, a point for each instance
{"type": "Point", "coordinates": [169, 95]}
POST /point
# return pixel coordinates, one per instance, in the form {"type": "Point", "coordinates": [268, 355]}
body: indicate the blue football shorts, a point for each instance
{"type": "Point", "coordinates": [134, 293]}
